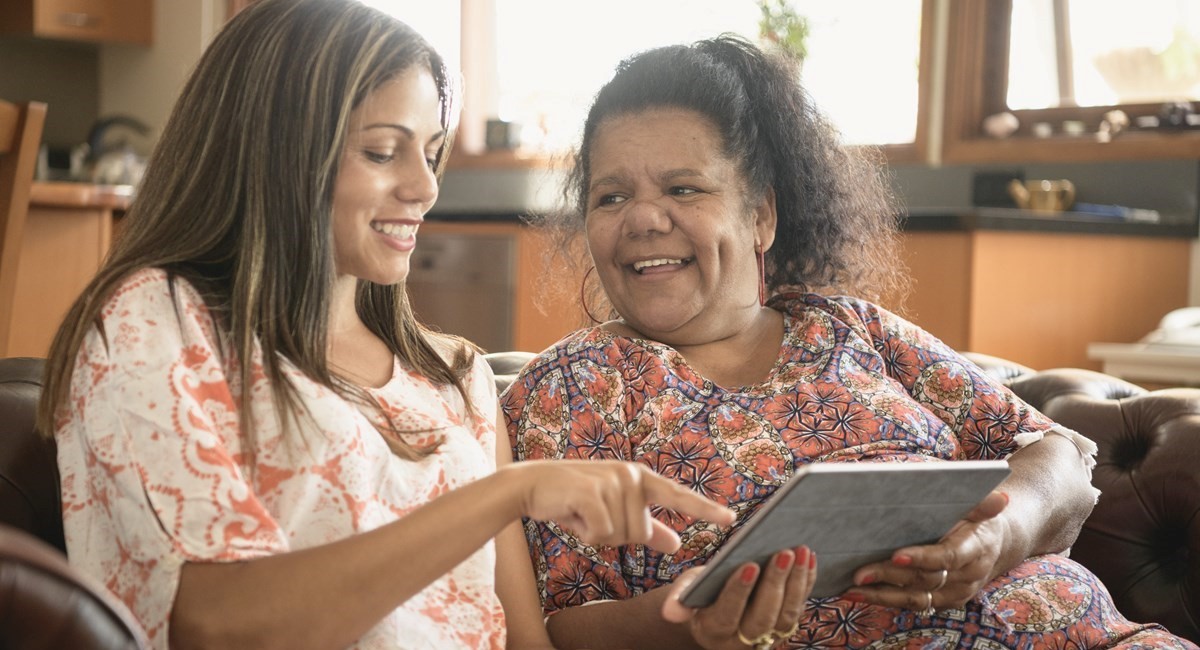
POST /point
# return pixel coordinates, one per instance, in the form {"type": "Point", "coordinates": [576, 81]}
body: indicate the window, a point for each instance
{"type": "Point", "coordinates": [537, 63]}
{"type": "Point", "coordinates": [1061, 67]}
{"type": "Point", "coordinates": [1098, 53]}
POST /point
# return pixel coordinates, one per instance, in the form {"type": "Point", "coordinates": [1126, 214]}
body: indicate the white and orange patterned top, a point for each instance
{"type": "Point", "coordinates": [156, 472]}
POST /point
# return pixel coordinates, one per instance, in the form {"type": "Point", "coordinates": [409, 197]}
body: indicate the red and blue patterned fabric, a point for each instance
{"type": "Point", "coordinates": [853, 382]}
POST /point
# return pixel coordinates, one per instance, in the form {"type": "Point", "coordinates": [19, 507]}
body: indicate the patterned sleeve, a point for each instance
{"type": "Point", "coordinates": [988, 419]}
{"type": "Point", "coordinates": [543, 409]}
{"type": "Point", "coordinates": [148, 452]}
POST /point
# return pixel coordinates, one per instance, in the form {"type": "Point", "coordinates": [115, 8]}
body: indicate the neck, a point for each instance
{"type": "Point", "coordinates": [741, 358]}
{"type": "Point", "coordinates": [343, 317]}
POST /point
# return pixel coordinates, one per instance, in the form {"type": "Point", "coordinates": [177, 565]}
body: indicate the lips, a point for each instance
{"type": "Point", "coordinates": [660, 264]}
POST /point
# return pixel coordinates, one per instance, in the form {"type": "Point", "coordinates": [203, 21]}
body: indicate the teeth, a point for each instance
{"type": "Point", "coordinates": [401, 230]}
{"type": "Point", "coordinates": [645, 264]}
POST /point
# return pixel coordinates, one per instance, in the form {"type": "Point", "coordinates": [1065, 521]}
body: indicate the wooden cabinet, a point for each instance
{"type": "Point", "coordinates": [67, 234]}
{"type": "Point", "coordinates": [1039, 298]}
{"type": "Point", "coordinates": [545, 303]}
{"type": "Point", "coordinates": [97, 21]}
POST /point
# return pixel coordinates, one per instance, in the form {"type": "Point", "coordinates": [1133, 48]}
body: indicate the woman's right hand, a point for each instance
{"type": "Point", "coordinates": [744, 615]}
{"type": "Point", "coordinates": [608, 502]}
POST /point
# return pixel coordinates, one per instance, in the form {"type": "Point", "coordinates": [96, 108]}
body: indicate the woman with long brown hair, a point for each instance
{"type": "Point", "coordinates": [259, 445]}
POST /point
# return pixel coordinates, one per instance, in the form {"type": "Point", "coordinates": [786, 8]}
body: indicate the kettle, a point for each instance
{"type": "Point", "coordinates": [1042, 195]}
{"type": "Point", "coordinates": [116, 163]}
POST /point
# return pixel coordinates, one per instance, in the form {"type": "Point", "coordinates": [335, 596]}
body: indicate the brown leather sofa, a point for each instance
{"type": "Point", "coordinates": [44, 602]}
{"type": "Point", "coordinates": [1143, 538]}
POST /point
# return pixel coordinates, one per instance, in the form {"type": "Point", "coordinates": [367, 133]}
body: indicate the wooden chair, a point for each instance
{"type": "Point", "coordinates": [20, 136]}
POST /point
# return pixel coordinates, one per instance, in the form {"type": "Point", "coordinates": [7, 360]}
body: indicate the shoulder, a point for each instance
{"type": "Point", "coordinates": [150, 314]}
{"type": "Point", "coordinates": [589, 345]}
{"type": "Point", "coordinates": [593, 343]}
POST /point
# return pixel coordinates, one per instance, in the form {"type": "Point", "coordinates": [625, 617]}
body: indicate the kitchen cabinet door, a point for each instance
{"type": "Point", "coordinates": [97, 21]}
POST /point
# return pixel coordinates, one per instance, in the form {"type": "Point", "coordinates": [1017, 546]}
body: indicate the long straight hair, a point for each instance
{"type": "Point", "coordinates": [237, 199]}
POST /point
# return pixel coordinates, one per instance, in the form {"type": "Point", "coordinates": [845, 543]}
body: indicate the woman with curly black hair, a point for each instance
{"type": "Point", "coordinates": [744, 253]}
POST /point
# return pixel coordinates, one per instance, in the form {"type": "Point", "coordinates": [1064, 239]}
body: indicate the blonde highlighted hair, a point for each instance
{"type": "Point", "coordinates": [237, 198]}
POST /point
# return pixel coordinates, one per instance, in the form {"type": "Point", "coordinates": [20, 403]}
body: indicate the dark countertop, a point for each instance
{"type": "Point", "coordinates": [957, 219]}
{"type": "Point", "coordinates": [971, 218]}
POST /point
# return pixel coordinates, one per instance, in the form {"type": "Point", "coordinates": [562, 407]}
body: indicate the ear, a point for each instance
{"type": "Point", "coordinates": [765, 220]}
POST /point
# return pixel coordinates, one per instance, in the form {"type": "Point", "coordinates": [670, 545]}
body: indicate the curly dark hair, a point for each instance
{"type": "Point", "coordinates": [838, 218]}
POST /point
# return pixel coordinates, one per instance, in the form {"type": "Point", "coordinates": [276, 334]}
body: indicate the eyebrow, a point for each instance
{"type": "Point", "coordinates": [666, 176]}
{"type": "Point", "coordinates": [403, 129]}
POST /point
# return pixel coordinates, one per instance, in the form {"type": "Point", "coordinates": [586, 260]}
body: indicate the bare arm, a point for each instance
{"type": "Point", "coordinates": [1050, 496]}
{"type": "Point", "coordinates": [515, 582]}
{"type": "Point", "coordinates": [328, 596]}
{"type": "Point", "coordinates": [642, 625]}
{"type": "Point", "coordinates": [1044, 503]}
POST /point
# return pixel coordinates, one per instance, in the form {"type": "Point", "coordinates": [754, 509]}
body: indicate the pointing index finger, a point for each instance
{"type": "Point", "coordinates": [669, 494]}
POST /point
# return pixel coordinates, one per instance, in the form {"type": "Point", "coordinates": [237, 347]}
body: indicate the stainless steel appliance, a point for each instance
{"type": "Point", "coordinates": [463, 284]}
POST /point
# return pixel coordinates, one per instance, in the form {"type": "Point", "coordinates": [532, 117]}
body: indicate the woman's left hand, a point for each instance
{"type": "Point", "coordinates": [939, 576]}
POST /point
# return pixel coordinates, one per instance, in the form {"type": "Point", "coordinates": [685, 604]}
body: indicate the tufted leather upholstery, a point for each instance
{"type": "Point", "coordinates": [1143, 538]}
{"type": "Point", "coordinates": [44, 602]}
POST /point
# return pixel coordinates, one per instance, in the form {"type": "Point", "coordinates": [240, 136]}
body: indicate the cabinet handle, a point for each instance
{"type": "Point", "coordinates": [78, 19]}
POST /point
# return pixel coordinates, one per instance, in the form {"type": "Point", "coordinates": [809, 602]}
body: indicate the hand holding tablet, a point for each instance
{"type": "Point", "coordinates": [852, 514]}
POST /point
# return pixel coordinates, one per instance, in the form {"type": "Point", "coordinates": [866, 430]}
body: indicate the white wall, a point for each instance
{"type": "Point", "coordinates": [144, 82]}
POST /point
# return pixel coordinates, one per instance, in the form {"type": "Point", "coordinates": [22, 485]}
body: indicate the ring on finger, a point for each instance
{"type": "Point", "coordinates": [942, 581]}
{"type": "Point", "coordinates": [929, 610]}
{"type": "Point", "coordinates": [761, 642]}
{"type": "Point", "coordinates": [788, 633]}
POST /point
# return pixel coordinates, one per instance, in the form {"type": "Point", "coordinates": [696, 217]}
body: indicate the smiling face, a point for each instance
{"type": "Point", "coordinates": [385, 181]}
{"type": "Point", "coordinates": [669, 229]}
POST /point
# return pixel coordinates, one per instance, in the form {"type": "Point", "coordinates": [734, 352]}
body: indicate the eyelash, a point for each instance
{"type": "Point", "coordinates": [384, 158]}
{"type": "Point", "coordinates": [678, 190]}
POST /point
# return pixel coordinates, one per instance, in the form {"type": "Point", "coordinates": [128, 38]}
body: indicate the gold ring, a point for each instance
{"type": "Point", "coordinates": [942, 582]}
{"type": "Point", "coordinates": [762, 642]}
{"type": "Point", "coordinates": [929, 610]}
{"type": "Point", "coordinates": [789, 633]}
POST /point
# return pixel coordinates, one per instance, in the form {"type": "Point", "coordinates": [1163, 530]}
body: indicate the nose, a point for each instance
{"type": "Point", "coordinates": [416, 181]}
{"type": "Point", "coordinates": [646, 217]}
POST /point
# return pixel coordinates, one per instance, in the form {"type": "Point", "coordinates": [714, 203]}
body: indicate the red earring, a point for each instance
{"type": "Point", "coordinates": [762, 274]}
{"type": "Point", "coordinates": [583, 296]}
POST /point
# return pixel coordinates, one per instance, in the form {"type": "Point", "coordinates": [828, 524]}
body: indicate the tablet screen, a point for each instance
{"type": "Point", "coordinates": [851, 514]}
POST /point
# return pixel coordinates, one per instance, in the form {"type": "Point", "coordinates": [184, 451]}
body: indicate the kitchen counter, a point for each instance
{"type": "Point", "coordinates": [922, 219]}
{"type": "Point", "coordinates": [66, 237]}
{"type": "Point", "coordinates": [61, 194]}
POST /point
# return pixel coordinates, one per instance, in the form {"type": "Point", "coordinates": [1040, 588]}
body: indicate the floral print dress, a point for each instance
{"type": "Point", "coordinates": [853, 382]}
{"type": "Point", "coordinates": [156, 472]}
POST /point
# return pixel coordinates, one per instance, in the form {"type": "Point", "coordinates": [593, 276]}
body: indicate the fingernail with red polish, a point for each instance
{"type": "Point", "coordinates": [802, 556]}
{"type": "Point", "coordinates": [812, 560]}
{"type": "Point", "coordinates": [854, 597]}
{"type": "Point", "coordinates": [749, 573]}
{"type": "Point", "coordinates": [902, 560]}
{"type": "Point", "coordinates": [784, 560]}
{"type": "Point", "coordinates": [868, 579]}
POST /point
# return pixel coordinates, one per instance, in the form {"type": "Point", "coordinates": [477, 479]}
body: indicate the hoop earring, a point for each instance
{"type": "Point", "coordinates": [759, 257]}
{"type": "Point", "coordinates": [583, 296]}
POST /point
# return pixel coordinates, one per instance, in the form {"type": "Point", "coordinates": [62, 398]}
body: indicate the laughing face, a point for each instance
{"type": "Point", "coordinates": [669, 227]}
{"type": "Point", "coordinates": [385, 182]}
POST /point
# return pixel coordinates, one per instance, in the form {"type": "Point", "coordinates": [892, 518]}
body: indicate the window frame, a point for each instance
{"type": "Point", "coordinates": [977, 85]}
{"type": "Point", "coordinates": [476, 30]}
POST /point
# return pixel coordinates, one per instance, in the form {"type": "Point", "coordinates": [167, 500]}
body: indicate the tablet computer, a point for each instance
{"type": "Point", "coordinates": [851, 514]}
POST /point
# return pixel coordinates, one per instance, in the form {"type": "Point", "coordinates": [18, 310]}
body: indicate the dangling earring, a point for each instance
{"type": "Point", "coordinates": [583, 296]}
{"type": "Point", "coordinates": [762, 274]}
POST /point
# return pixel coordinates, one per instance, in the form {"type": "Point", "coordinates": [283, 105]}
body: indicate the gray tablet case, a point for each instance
{"type": "Point", "coordinates": [851, 514]}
